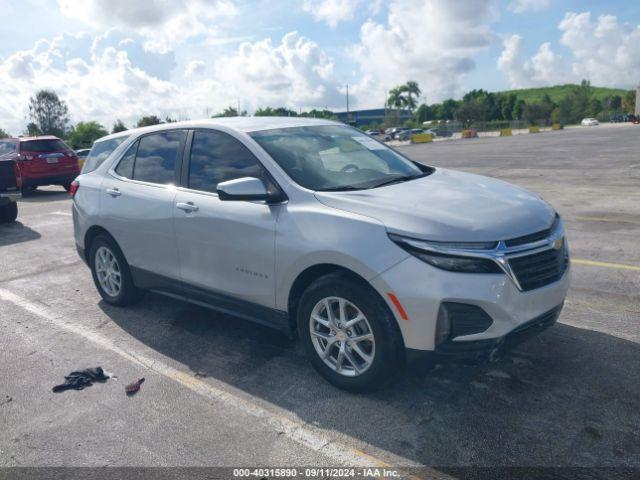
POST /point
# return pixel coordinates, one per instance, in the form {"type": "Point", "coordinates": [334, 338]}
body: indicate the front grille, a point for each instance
{"type": "Point", "coordinates": [539, 269]}
{"type": "Point", "coordinates": [7, 176]}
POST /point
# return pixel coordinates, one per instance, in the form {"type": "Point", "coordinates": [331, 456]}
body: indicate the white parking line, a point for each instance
{"type": "Point", "coordinates": [65, 214]}
{"type": "Point", "coordinates": [296, 431]}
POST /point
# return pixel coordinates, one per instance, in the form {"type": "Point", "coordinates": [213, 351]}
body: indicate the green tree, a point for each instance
{"type": "Point", "coordinates": [148, 120]}
{"type": "Point", "coordinates": [3, 134]}
{"type": "Point", "coordinates": [85, 133]}
{"type": "Point", "coordinates": [327, 114]}
{"type": "Point", "coordinates": [518, 108]}
{"type": "Point", "coordinates": [424, 113]}
{"type": "Point", "coordinates": [614, 102]}
{"type": "Point", "coordinates": [118, 126]}
{"type": "Point", "coordinates": [32, 129]}
{"type": "Point", "coordinates": [275, 112]}
{"type": "Point", "coordinates": [396, 101]}
{"type": "Point", "coordinates": [411, 89]}
{"type": "Point", "coordinates": [48, 113]}
{"type": "Point", "coordinates": [629, 102]}
{"type": "Point", "coordinates": [507, 105]}
{"type": "Point", "coordinates": [230, 112]}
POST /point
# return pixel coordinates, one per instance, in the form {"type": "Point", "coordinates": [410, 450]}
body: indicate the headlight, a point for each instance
{"type": "Point", "coordinates": [427, 252]}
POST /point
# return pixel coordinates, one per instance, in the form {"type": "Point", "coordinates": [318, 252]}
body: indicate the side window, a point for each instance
{"type": "Point", "coordinates": [217, 157]}
{"type": "Point", "coordinates": [125, 167]}
{"type": "Point", "coordinates": [157, 155]}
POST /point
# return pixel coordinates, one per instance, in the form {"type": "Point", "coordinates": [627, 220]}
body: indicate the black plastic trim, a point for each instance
{"type": "Point", "coordinates": [220, 302]}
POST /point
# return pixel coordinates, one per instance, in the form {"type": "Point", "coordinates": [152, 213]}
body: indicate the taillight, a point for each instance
{"type": "Point", "coordinates": [74, 188]}
{"type": "Point", "coordinates": [16, 172]}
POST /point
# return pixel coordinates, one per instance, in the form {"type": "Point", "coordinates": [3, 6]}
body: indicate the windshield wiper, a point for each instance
{"type": "Point", "coordinates": [398, 180]}
{"type": "Point", "coordinates": [341, 188]}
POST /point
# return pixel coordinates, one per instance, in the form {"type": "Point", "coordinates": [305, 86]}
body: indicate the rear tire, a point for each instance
{"type": "Point", "coordinates": [377, 360]}
{"type": "Point", "coordinates": [111, 273]}
{"type": "Point", "coordinates": [9, 212]}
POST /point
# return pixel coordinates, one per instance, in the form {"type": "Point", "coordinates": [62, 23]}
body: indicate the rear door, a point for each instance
{"type": "Point", "coordinates": [137, 203]}
{"type": "Point", "coordinates": [48, 158]}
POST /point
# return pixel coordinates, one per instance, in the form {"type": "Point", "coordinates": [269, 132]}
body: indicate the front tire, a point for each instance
{"type": "Point", "coordinates": [349, 334]}
{"type": "Point", "coordinates": [111, 273]}
{"type": "Point", "coordinates": [9, 212]}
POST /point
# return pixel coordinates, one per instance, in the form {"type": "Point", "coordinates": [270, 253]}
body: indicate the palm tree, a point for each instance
{"type": "Point", "coordinates": [396, 100]}
{"type": "Point", "coordinates": [411, 88]}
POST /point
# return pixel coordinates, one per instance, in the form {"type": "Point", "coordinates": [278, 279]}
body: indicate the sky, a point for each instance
{"type": "Point", "coordinates": [189, 59]}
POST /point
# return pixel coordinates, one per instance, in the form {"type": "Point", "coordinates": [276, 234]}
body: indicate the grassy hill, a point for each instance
{"type": "Point", "coordinates": [558, 92]}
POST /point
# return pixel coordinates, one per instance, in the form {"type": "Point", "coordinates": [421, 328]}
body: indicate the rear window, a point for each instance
{"type": "Point", "coordinates": [7, 146]}
{"type": "Point", "coordinates": [43, 146]}
{"type": "Point", "coordinates": [100, 152]}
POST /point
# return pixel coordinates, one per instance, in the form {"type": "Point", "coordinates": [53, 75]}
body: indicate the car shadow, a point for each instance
{"type": "Point", "coordinates": [16, 232]}
{"type": "Point", "coordinates": [45, 195]}
{"type": "Point", "coordinates": [569, 397]}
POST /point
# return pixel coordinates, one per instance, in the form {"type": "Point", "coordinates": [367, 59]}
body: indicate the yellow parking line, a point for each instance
{"type": "Point", "coordinates": [593, 263]}
{"type": "Point", "coordinates": [605, 219]}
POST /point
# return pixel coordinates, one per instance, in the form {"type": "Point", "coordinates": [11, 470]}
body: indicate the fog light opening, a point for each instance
{"type": "Point", "coordinates": [443, 326]}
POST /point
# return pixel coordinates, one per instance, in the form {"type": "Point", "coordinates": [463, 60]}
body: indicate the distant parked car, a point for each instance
{"type": "Point", "coordinates": [439, 132]}
{"type": "Point", "coordinates": [44, 160]}
{"type": "Point", "coordinates": [393, 131]}
{"type": "Point", "coordinates": [406, 134]}
{"type": "Point", "coordinates": [589, 122]}
{"type": "Point", "coordinates": [378, 134]}
{"type": "Point", "coordinates": [10, 184]}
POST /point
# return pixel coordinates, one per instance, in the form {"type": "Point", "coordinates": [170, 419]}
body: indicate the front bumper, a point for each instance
{"type": "Point", "coordinates": [511, 339]}
{"type": "Point", "coordinates": [421, 289]}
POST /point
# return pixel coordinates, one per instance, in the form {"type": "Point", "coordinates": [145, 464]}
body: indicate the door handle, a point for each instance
{"type": "Point", "coordinates": [114, 192]}
{"type": "Point", "coordinates": [187, 207]}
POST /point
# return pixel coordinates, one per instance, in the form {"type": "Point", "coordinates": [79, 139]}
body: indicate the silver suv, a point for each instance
{"type": "Point", "coordinates": [318, 230]}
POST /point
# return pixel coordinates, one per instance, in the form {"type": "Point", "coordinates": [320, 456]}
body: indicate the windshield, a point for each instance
{"type": "Point", "coordinates": [100, 152]}
{"type": "Point", "coordinates": [333, 157]}
{"type": "Point", "coordinates": [7, 146]}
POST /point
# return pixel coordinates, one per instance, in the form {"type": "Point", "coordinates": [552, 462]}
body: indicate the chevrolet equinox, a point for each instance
{"type": "Point", "coordinates": [318, 230]}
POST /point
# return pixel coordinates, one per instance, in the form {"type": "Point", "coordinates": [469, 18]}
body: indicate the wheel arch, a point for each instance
{"type": "Point", "coordinates": [90, 236]}
{"type": "Point", "coordinates": [314, 272]}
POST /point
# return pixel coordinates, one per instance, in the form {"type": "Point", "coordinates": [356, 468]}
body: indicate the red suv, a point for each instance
{"type": "Point", "coordinates": [44, 160]}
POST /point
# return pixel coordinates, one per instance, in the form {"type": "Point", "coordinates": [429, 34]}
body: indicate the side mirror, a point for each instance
{"type": "Point", "coordinates": [246, 188]}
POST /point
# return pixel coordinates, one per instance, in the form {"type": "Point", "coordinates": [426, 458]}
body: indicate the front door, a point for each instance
{"type": "Point", "coordinates": [226, 248]}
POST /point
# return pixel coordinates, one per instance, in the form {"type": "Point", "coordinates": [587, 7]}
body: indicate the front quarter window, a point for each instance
{"type": "Point", "coordinates": [334, 157]}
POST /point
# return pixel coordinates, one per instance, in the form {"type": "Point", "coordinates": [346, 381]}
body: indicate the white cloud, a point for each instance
{"type": "Point", "coordinates": [433, 42]}
{"type": "Point", "coordinates": [605, 52]}
{"type": "Point", "coordinates": [522, 6]}
{"type": "Point", "coordinates": [543, 68]}
{"type": "Point", "coordinates": [331, 11]}
{"type": "Point", "coordinates": [295, 73]}
{"type": "Point", "coordinates": [105, 80]}
{"type": "Point", "coordinates": [194, 67]}
{"type": "Point", "coordinates": [163, 22]}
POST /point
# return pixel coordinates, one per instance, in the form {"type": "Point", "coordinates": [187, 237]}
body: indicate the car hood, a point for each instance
{"type": "Point", "coordinates": [449, 206]}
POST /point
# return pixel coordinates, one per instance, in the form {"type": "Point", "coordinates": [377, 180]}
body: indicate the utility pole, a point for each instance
{"type": "Point", "coordinates": [637, 109]}
{"type": "Point", "coordinates": [348, 123]}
